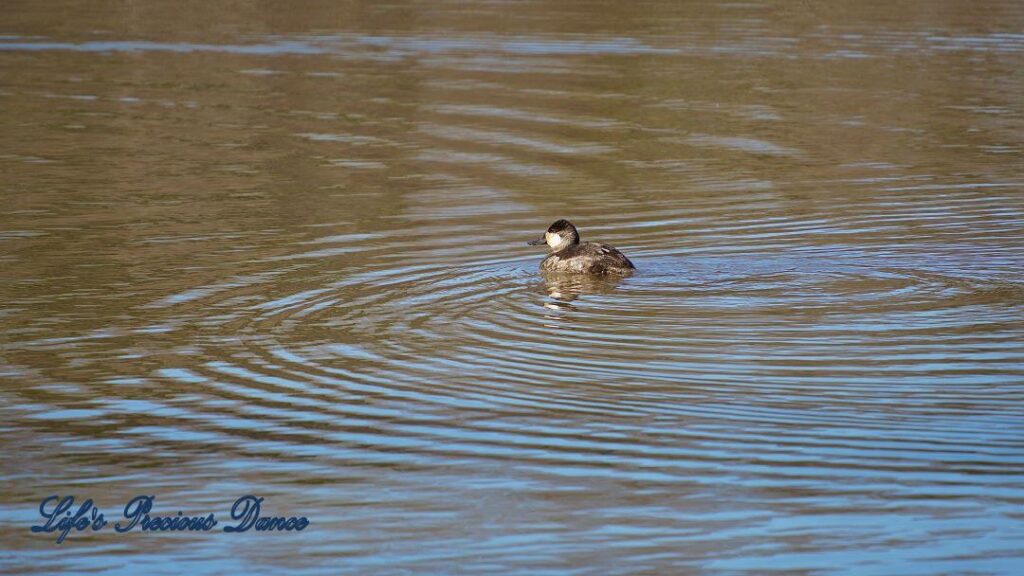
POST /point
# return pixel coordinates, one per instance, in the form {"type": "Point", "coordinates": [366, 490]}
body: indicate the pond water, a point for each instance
{"type": "Point", "coordinates": [280, 251]}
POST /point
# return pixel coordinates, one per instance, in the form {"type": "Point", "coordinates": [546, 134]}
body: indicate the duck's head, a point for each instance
{"type": "Point", "coordinates": [559, 236]}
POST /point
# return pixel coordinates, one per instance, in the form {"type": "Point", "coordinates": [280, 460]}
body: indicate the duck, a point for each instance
{"type": "Point", "coordinates": [568, 254]}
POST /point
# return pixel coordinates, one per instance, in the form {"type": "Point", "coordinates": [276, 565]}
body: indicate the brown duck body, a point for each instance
{"type": "Point", "coordinates": [588, 258]}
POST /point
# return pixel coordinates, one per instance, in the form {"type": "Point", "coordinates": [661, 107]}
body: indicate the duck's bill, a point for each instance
{"type": "Point", "coordinates": [537, 242]}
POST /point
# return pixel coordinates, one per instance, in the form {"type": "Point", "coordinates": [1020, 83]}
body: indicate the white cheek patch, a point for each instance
{"type": "Point", "coordinates": [554, 240]}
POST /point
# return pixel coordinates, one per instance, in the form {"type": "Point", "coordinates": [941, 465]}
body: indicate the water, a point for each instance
{"type": "Point", "coordinates": [281, 251]}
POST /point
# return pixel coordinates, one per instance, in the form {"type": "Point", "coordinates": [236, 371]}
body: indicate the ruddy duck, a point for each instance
{"type": "Point", "coordinates": [568, 255]}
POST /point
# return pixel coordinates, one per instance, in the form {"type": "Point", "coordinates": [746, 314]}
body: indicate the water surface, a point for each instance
{"type": "Point", "coordinates": [281, 251]}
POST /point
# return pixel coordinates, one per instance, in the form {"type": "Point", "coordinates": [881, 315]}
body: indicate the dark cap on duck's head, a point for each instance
{"type": "Point", "coordinates": [561, 226]}
{"type": "Point", "coordinates": [560, 235]}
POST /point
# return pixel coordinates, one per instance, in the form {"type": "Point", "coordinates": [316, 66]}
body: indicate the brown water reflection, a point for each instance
{"type": "Point", "coordinates": [278, 250]}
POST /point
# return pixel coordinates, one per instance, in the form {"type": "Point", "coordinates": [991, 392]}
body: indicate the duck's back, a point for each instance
{"type": "Point", "coordinates": [588, 258]}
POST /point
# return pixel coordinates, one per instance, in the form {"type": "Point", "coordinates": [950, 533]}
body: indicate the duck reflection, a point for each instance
{"type": "Point", "coordinates": [565, 288]}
